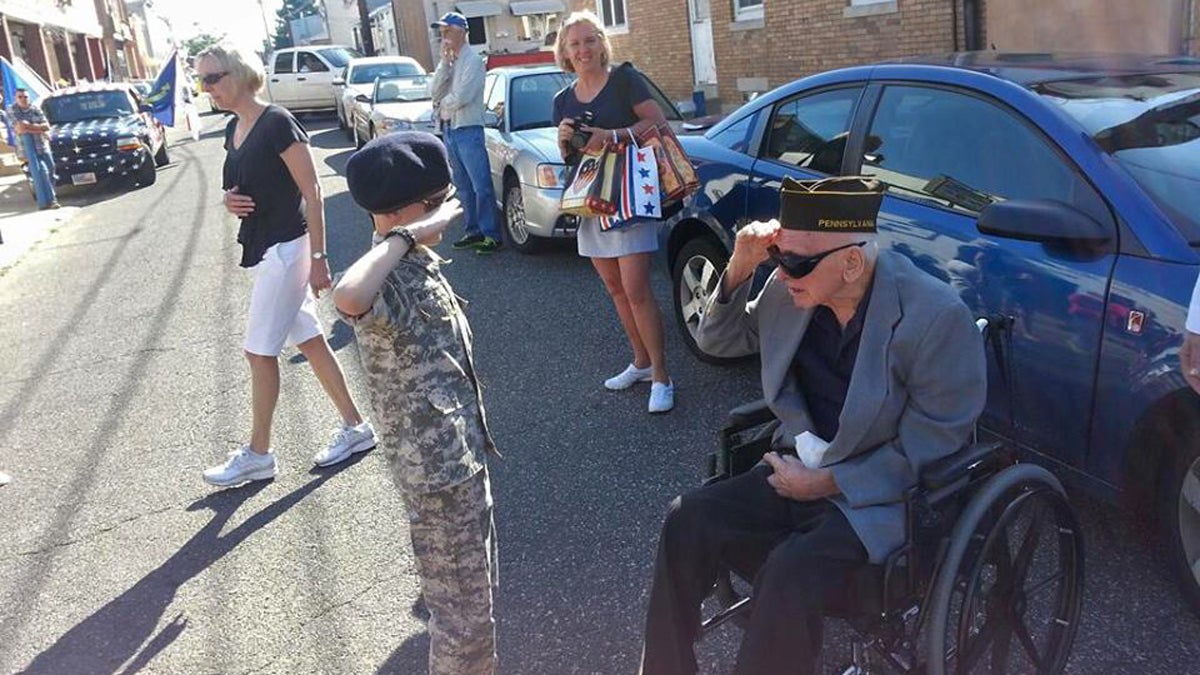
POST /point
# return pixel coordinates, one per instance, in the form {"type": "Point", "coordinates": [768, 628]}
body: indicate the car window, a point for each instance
{"type": "Point", "coordinates": [367, 73]}
{"type": "Point", "coordinates": [736, 136]}
{"type": "Point", "coordinates": [87, 106]}
{"type": "Point", "coordinates": [811, 131]}
{"type": "Point", "coordinates": [403, 89]}
{"type": "Point", "coordinates": [307, 62]}
{"type": "Point", "coordinates": [283, 62]}
{"type": "Point", "coordinates": [532, 104]}
{"type": "Point", "coordinates": [338, 56]}
{"type": "Point", "coordinates": [964, 152]}
{"type": "Point", "coordinates": [668, 108]}
{"type": "Point", "coordinates": [495, 99]}
{"type": "Point", "coordinates": [1151, 125]}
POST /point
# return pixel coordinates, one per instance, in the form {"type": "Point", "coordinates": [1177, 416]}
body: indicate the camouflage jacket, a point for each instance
{"type": "Point", "coordinates": [415, 346]}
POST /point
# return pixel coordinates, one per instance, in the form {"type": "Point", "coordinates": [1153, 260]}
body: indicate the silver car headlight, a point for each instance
{"type": "Point", "coordinates": [389, 125]}
{"type": "Point", "coordinates": [551, 175]}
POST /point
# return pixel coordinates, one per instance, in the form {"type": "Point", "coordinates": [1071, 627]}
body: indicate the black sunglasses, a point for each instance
{"type": "Point", "coordinates": [798, 266]}
{"type": "Point", "coordinates": [213, 78]}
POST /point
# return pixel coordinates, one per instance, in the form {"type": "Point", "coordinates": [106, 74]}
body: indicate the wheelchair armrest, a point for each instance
{"type": "Point", "coordinates": [749, 415]}
{"type": "Point", "coordinates": [949, 470]}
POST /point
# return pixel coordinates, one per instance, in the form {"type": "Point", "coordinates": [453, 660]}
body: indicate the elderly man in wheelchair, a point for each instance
{"type": "Point", "coordinates": [869, 502]}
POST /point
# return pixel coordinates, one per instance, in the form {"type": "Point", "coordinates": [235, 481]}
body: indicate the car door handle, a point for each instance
{"type": "Point", "coordinates": [301, 79]}
{"type": "Point", "coordinates": [274, 79]}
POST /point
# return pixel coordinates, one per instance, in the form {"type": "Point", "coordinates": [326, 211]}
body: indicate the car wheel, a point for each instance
{"type": "Point", "coordinates": [351, 128]}
{"type": "Point", "coordinates": [146, 175]}
{"type": "Point", "coordinates": [160, 157]}
{"type": "Point", "coordinates": [515, 226]}
{"type": "Point", "coordinates": [694, 276]}
{"type": "Point", "coordinates": [1180, 517]}
{"type": "Point", "coordinates": [358, 140]}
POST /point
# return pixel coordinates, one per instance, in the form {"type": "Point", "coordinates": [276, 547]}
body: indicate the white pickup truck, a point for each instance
{"type": "Point", "coordinates": [301, 78]}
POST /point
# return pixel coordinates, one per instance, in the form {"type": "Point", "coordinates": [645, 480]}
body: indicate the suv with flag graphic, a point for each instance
{"type": "Point", "coordinates": [100, 132]}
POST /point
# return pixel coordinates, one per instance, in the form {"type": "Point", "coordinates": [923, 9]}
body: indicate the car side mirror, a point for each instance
{"type": "Point", "coordinates": [337, 82]}
{"type": "Point", "coordinates": [1063, 229]}
{"type": "Point", "coordinates": [362, 98]}
{"type": "Point", "coordinates": [491, 119]}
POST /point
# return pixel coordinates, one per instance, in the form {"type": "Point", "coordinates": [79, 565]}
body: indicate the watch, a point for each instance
{"type": "Point", "coordinates": [319, 255]}
{"type": "Point", "coordinates": [404, 234]}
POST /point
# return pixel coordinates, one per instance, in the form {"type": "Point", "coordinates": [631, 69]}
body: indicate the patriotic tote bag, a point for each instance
{"type": "Point", "coordinates": [640, 195]}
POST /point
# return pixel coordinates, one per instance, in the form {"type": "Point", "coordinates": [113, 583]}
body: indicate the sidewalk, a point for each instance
{"type": "Point", "coordinates": [22, 225]}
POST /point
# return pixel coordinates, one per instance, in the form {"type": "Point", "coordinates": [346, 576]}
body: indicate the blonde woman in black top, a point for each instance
{"type": "Point", "coordinates": [271, 184]}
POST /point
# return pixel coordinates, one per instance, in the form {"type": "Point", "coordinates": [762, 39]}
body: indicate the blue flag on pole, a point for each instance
{"type": "Point", "coordinates": [163, 95]}
{"type": "Point", "coordinates": [19, 77]}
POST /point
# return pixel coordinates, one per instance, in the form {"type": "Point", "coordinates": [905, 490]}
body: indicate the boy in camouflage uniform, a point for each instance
{"type": "Point", "coordinates": [415, 345]}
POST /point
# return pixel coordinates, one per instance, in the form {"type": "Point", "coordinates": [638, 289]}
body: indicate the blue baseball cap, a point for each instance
{"type": "Point", "coordinates": [451, 19]}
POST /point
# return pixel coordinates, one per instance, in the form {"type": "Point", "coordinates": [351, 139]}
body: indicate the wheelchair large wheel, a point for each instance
{"type": "Point", "coordinates": [1007, 598]}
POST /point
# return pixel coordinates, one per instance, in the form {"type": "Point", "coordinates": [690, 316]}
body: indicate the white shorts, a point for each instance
{"type": "Point", "coordinates": [283, 310]}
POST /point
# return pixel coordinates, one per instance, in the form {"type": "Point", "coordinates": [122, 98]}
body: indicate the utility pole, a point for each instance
{"type": "Point", "coordinates": [269, 44]}
{"type": "Point", "coordinates": [364, 22]}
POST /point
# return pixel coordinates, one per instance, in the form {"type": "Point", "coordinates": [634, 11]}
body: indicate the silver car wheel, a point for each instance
{"type": "Point", "coordinates": [699, 279]}
{"type": "Point", "coordinates": [1189, 518]}
{"type": "Point", "coordinates": [514, 216]}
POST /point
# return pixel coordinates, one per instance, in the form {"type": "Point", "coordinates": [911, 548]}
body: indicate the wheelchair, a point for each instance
{"type": "Point", "coordinates": [989, 580]}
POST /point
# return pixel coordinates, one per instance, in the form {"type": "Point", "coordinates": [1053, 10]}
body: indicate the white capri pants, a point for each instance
{"type": "Point", "coordinates": [283, 310]}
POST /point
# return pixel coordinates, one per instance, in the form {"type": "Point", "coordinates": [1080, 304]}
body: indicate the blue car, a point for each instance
{"type": "Point", "coordinates": [1059, 195]}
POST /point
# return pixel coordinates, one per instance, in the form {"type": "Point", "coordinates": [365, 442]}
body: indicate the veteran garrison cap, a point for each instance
{"type": "Point", "coordinates": [836, 204]}
{"type": "Point", "coordinates": [396, 170]}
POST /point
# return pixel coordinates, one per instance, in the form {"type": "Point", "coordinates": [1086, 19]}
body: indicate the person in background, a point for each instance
{"type": "Point", "coordinates": [620, 104]}
{"type": "Point", "coordinates": [1189, 354]}
{"type": "Point", "coordinates": [457, 92]}
{"type": "Point", "coordinates": [271, 184]}
{"type": "Point", "coordinates": [32, 129]}
{"type": "Point", "coordinates": [415, 345]}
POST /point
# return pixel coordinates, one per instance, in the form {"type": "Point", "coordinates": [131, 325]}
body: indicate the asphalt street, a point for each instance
{"type": "Point", "coordinates": [123, 378]}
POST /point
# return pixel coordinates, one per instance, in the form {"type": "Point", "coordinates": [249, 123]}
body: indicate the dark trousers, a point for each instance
{"type": "Point", "coordinates": [801, 555]}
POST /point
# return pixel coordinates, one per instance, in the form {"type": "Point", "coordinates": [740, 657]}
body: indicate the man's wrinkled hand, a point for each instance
{"type": "Point", "coordinates": [753, 240]}
{"type": "Point", "coordinates": [1189, 359]}
{"type": "Point", "coordinates": [793, 480]}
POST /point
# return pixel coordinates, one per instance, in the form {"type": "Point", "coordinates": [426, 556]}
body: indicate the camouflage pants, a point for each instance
{"type": "Point", "coordinates": [454, 540]}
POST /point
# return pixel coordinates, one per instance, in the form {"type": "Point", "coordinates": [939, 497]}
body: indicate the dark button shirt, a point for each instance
{"type": "Point", "coordinates": [824, 363]}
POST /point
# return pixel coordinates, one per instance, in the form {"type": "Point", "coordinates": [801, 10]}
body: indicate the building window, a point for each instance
{"type": "Point", "coordinates": [477, 33]}
{"type": "Point", "coordinates": [612, 13]}
{"type": "Point", "coordinates": [747, 10]}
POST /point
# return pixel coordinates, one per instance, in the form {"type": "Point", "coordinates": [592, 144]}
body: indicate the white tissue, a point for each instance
{"type": "Point", "coordinates": [810, 448]}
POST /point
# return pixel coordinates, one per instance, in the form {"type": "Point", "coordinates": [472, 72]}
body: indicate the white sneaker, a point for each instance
{"type": "Point", "coordinates": [242, 465]}
{"type": "Point", "coordinates": [662, 397]}
{"type": "Point", "coordinates": [5, 479]}
{"type": "Point", "coordinates": [345, 442]}
{"type": "Point", "coordinates": [628, 377]}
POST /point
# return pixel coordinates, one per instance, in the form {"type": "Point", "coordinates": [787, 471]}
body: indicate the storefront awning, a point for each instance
{"type": "Point", "coordinates": [474, 10]}
{"type": "Point", "coordinates": [537, 7]}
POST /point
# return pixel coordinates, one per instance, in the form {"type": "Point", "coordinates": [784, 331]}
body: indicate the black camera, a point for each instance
{"type": "Point", "coordinates": [580, 138]}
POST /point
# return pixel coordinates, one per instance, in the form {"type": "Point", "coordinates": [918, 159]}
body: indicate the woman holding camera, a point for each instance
{"type": "Point", "coordinates": [603, 107]}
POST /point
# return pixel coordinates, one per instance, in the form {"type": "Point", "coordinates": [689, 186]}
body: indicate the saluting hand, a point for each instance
{"type": "Point", "coordinates": [238, 204]}
{"type": "Point", "coordinates": [429, 228]}
{"type": "Point", "coordinates": [749, 251]}
{"type": "Point", "coordinates": [793, 480]}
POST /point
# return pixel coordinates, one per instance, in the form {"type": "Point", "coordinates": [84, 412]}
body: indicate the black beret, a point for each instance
{"type": "Point", "coordinates": [835, 204]}
{"type": "Point", "coordinates": [396, 170]}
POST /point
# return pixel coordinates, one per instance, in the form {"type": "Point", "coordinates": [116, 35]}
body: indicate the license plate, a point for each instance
{"type": "Point", "coordinates": [83, 178]}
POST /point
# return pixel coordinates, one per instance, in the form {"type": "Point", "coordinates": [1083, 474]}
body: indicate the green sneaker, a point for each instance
{"type": "Point", "coordinates": [487, 246]}
{"type": "Point", "coordinates": [469, 241]}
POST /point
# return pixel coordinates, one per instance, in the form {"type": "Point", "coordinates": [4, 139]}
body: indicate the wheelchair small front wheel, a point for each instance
{"type": "Point", "coordinates": [1008, 596]}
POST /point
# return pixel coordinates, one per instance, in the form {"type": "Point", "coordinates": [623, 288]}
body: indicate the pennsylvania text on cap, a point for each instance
{"type": "Point", "coordinates": [835, 204]}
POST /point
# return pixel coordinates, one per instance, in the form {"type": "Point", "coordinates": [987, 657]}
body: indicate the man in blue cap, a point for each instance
{"type": "Point", "coordinates": [458, 105]}
{"type": "Point", "coordinates": [415, 346]}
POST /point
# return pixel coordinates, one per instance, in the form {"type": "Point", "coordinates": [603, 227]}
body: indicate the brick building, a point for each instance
{"type": "Point", "coordinates": [731, 49]}
{"type": "Point", "coordinates": [59, 40]}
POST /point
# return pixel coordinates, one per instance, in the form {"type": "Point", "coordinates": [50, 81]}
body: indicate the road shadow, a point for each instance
{"type": "Point", "coordinates": [410, 658]}
{"type": "Point", "coordinates": [341, 336]}
{"type": "Point", "coordinates": [123, 629]}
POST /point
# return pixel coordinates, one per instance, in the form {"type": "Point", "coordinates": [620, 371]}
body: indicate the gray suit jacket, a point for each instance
{"type": "Point", "coordinates": [918, 385]}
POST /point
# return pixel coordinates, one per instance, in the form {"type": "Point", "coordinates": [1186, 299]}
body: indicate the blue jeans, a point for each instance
{"type": "Point", "coordinates": [41, 170]}
{"type": "Point", "coordinates": [473, 178]}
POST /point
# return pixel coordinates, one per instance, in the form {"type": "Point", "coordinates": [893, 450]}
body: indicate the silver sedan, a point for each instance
{"type": "Point", "coordinates": [395, 104]}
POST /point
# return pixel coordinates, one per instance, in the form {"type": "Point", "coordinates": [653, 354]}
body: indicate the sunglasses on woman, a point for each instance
{"type": "Point", "coordinates": [213, 78]}
{"type": "Point", "coordinates": [798, 266]}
